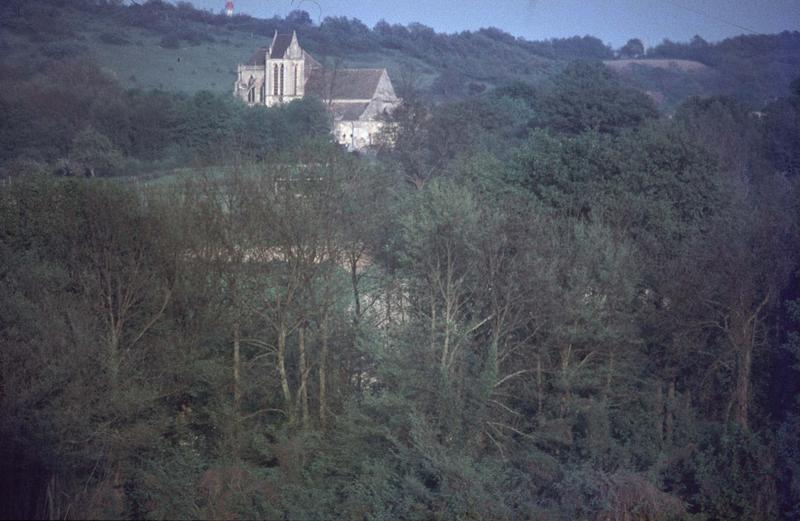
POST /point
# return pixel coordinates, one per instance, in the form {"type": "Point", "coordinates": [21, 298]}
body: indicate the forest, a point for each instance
{"type": "Point", "coordinates": [548, 300]}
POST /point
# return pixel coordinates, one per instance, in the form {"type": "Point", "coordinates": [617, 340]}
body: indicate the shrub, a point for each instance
{"type": "Point", "coordinates": [63, 50]}
{"type": "Point", "coordinates": [170, 41]}
{"type": "Point", "coordinates": [113, 39]}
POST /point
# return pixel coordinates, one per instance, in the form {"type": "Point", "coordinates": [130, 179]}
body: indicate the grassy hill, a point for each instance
{"type": "Point", "coordinates": [158, 45]}
{"type": "Point", "coordinates": [133, 54]}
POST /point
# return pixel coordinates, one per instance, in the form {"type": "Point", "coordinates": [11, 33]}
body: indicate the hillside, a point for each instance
{"type": "Point", "coordinates": [668, 64]}
{"type": "Point", "coordinates": [159, 46]}
{"type": "Point", "coordinates": [178, 48]}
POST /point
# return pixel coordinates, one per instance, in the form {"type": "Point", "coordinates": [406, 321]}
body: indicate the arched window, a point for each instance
{"type": "Point", "coordinates": [275, 80]}
{"type": "Point", "coordinates": [295, 80]}
{"type": "Point", "coordinates": [282, 79]}
{"type": "Point", "coordinates": [251, 90]}
{"type": "Point", "coordinates": [262, 92]}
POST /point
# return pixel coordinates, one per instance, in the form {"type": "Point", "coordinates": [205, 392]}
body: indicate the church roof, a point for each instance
{"type": "Point", "coordinates": [348, 111]}
{"type": "Point", "coordinates": [279, 46]}
{"type": "Point", "coordinates": [311, 63]}
{"type": "Point", "coordinates": [259, 57]}
{"type": "Point", "coordinates": [350, 84]}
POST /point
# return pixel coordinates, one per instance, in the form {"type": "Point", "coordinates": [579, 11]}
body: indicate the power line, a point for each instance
{"type": "Point", "coordinates": [711, 16]}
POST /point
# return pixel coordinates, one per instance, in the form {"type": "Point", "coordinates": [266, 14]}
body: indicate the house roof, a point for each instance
{"type": "Point", "coordinates": [259, 57]}
{"type": "Point", "coordinates": [349, 84]}
{"type": "Point", "coordinates": [280, 44]}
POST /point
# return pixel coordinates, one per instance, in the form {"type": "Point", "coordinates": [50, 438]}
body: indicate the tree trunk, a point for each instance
{"type": "Point", "coordinates": [303, 377]}
{"type": "Point", "coordinates": [323, 362]}
{"type": "Point", "coordinates": [237, 390]}
{"type": "Point", "coordinates": [287, 394]}
{"type": "Point", "coordinates": [609, 375]}
{"type": "Point", "coordinates": [669, 420]}
{"type": "Point", "coordinates": [354, 282]}
{"type": "Point", "coordinates": [566, 396]}
{"type": "Point", "coordinates": [113, 357]}
{"type": "Point", "coordinates": [492, 364]}
{"type": "Point", "coordinates": [50, 494]}
{"type": "Point", "coordinates": [742, 391]}
{"type": "Point", "coordinates": [447, 356]}
{"type": "Point", "coordinates": [659, 417]}
{"type": "Point", "coordinates": [743, 336]}
{"type": "Point", "coordinates": [433, 321]}
{"type": "Point", "coordinates": [539, 385]}
{"type": "Point", "coordinates": [449, 312]}
{"type": "Point", "coordinates": [388, 303]}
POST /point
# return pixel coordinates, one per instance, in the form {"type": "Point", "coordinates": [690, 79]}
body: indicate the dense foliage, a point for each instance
{"type": "Point", "coordinates": [538, 302]}
{"type": "Point", "coordinates": [74, 117]}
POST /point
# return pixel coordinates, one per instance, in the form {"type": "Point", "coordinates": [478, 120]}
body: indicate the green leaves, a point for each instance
{"type": "Point", "coordinates": [587, 96]}
{"type": "Point", "coordinates": [653, 183]}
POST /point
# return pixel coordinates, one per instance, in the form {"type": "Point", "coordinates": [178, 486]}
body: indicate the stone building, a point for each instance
{"type": "Point", "coordinates": [356, 98]}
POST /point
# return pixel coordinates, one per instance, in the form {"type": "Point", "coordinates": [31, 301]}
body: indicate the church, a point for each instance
{"type": "Point", "coordinates": [356, 98]}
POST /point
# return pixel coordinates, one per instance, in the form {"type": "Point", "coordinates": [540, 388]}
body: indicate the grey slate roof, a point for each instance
{"type": "Point", "coordinates": [348, 111]}
{"type": "Point", "coordinates": [311, 63]}
{"type": "Point", "coordinates": [259, 57]}
{"type": "Point", "coordinates": [282, 42]}
{"type": "Point", "coordinates": [344, 83]}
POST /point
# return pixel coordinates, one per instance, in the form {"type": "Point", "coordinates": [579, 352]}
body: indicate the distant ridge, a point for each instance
{"type": "Point", "coordinates": [658, 63]}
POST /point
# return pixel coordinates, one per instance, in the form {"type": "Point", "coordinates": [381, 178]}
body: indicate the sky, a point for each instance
{"type": "Point", "coordinates": [613, 21]}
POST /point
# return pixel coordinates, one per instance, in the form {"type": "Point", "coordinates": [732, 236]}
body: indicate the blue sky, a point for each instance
{"type": "Point", "coordinates": [614, 21]}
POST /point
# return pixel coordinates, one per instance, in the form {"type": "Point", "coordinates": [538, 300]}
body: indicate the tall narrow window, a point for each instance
{"type": "Point", "coordinates": [251, 95]}
{"type": "Point", "coordinates": [275, 80]}
{"type": "Point", "coordinates": [295, 80]}
{"type": "Point", "coordinates": [262, 92]}
{"type": "Point", "coordinates": [281, 79]}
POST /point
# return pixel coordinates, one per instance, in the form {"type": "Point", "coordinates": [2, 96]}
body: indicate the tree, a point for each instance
{"type": "Point", "coordinates": [588, 96]}
{"type": "Point", "coordinates": [449, 84]}
{"type": "Point", "coordinates": [634, 48]}
{"type": "Point", "coordinates": [218, 222]}
{"type": "Point", "coordinates": [782, 121]}
{"type": "Point", "coordinates": [751, 248]}
{"type": "Point", "coordinates": [93, 154]}
{"type": "Point", "coordinates": [208, 125]}
{"type": "Point", "coordinates": [439, 238]}
{"type": "Point", "coordinates": [97, 317]}
{"type": "Point", "coordinates": [404, 140]}
{"type": "Point", "coordinates": [730, 131]}
{"type": "Point", "coordinates": [125, 269]}
{"type": "Point", "coordinates": [787, 436]}
{"type": "Point", "coordinates": [299, 18]}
